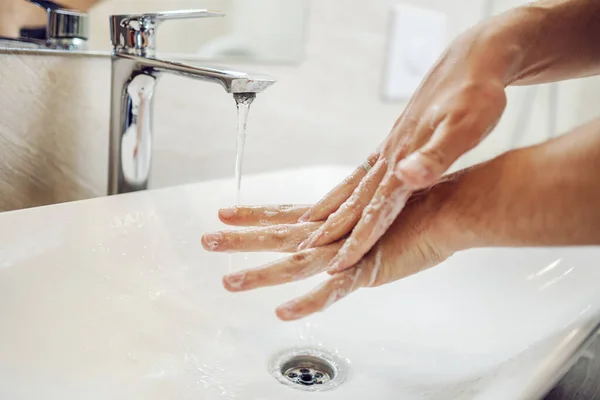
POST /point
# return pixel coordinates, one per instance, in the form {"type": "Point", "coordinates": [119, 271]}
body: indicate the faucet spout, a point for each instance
{"type": "Point", "coordinates": [232, 81]}
{"type": "Point", "coordinates": [134, 80]}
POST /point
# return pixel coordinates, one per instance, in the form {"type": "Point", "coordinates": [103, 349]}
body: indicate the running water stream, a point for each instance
{"type": "Point", "coordinates": [243, 102]}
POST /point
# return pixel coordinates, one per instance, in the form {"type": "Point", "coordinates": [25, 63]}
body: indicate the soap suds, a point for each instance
{"type": "Point", "coordinates": [236, 281]}
{"type": "Point", "coordinates": [281, 230]}
{"type": "Point", "coordinates": [355, 277]}
{"type": "Point", "coordinates": [215, 241]}
{"type": "Point", "coordinates": [341, 290]}
{"type": "Point", "coordinates": [390, 208]}
{"type": "Point", "coordinates": [343, 252]}
{"type": "Point", "coordinates": [376, 267]}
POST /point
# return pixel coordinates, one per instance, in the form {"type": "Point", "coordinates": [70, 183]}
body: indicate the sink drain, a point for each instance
{"type": "Point", "coordinates": [309, 369]}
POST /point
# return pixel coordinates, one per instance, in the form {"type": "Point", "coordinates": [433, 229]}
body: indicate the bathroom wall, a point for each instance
{"type": "Point", "coordinates": [266, 30]}
{"type": "Point", "coordinates": [328, 110]}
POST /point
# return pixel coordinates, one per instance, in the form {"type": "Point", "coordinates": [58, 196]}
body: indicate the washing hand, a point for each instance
{"type": "Point", "coordinates": [456, 106]}
{"type": "Point", "coordinates": [543, 195]}
{"type": "Point", "coordinates": [414, 242]}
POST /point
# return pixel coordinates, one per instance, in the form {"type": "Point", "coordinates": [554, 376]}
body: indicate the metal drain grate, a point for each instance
{"type": "Point", "coordinates": [309, 369]}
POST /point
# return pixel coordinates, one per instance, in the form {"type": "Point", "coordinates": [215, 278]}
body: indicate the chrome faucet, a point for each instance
{"type": "Point", "coordinates": [135, 74]}
{"type": "Point", "coordinates": [65, 29]}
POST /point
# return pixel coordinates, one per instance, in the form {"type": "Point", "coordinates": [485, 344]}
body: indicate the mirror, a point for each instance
{"type": "Point", "coordinates": [252, 31]}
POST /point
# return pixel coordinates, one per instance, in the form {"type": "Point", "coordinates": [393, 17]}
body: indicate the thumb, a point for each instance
{"type": "Point", "coordinates": [426, 166]}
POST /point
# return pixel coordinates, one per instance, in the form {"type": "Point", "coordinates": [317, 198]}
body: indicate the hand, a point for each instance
{"type": "Point", "coordinates": [543, 195]}
{"type": "Point", "coordinates": [457, 105]}
{"type": "Point", "coordinates": [414, 242]}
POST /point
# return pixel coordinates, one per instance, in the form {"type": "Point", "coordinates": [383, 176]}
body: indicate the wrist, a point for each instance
{"type": "Point", "coordinates": [479, 206]}
{"type": "Point", "coordinates": [555, 40]}
{"type": "Point", "coordinates": [542, 195]}
{"type": "Point", "coordinates": [507, 40]}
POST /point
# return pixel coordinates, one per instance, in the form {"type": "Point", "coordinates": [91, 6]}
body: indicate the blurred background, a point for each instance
{"type": "Point", "coordinates": [264, 30]}
{"type": "Point", "coordinates": [345, 71]}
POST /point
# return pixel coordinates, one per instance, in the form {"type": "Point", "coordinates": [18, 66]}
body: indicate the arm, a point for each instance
{"type": "Point", "coordinates": [544, 195]}
{"type": "Point", "coordinates": [457, 105]}
{"type": "Point", "coordinates": [547, 41]}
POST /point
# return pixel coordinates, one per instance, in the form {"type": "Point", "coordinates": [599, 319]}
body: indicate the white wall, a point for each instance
{"type": "Point", "coordinates": [54, 111]}
{"type": "Point", "coordinates": [262, 29]}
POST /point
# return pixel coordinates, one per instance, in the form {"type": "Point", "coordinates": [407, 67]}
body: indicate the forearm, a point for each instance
{"type": "Point", "coordinates": [545, 195]}
{"type": "Point", "coordinates": [546, 41]}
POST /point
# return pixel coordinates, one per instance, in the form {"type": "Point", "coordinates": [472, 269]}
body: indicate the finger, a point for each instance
{"type": "Point", "coordinates": [262, 215]}
{"type": "Point", "coordinates": [388, 201]}
{"type": "Point", "coordinates": [331, 291]}
{"type": "Point", "coordinates": [281, 238]}
{"type": "Point", "coordinates": [340, 223]}
{"type": "Point", "coordinates": [336, 197]}
{"type": "Point", "coordinates": [452, 138]}
{"type": "Point", "coordinates": [299, 266]}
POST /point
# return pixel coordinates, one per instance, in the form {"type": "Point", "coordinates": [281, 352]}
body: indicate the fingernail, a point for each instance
{"type": "Point", "coordinates": [211, 241]}
{"type": "Point", "coordinates": [227, 213]}
{"type": "Point", "coordinates": [287, 311]}
{"type": "Point", "coordinates": [234, 281]}
{"type": "Point", "coordinates": [305, 217]}
{"type": "Point", "coordinates": [411, 167]}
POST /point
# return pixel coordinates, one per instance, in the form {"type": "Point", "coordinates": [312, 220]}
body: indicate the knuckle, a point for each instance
{"type": "Point", "coordinates": [435, 157]}
{"type": "Point", "coordinates": [280, 233]}
{"type": "Point", "coordinates": [292, 244]}
{"type": "Point", "coordinates": [243, 212]}
{"type": "Point", "coordinates": [351, 210]}
{"type": "Point", "coordinates": [301, 257]}
{"type": "Point", "coordinates": [484, 94]}
{"type": "Point", "coordinates": [255, 278]}
{"type": "Point", "coordinates": [459, 114]}
{"type": "Point", "coordinates": [234, 240]}
{"type": "Point", "coordinates": [492, 95]}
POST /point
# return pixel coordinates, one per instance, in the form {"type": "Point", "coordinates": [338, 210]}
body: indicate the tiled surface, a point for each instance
{"type": "Point", "coordinates": [328, 110]}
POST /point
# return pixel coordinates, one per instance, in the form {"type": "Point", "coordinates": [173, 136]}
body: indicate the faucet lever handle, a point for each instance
{"type": "Point", "coordinates": [136, 33]}
{"type": "Point", "coordinates": [184, 14]}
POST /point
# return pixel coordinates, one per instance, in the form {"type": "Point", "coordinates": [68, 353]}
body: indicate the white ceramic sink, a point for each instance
{"type": "Point", "coordinates": [115, 298]}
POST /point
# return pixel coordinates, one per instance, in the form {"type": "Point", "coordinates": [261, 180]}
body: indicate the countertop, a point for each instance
{"type": "Point", "coordinates": [115, 298]}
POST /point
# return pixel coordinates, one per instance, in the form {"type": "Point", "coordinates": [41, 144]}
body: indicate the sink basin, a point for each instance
{"type": "Point", "coordinates": [114, 298]}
